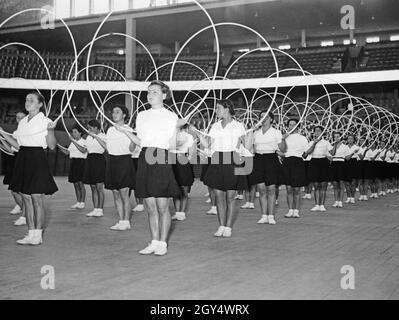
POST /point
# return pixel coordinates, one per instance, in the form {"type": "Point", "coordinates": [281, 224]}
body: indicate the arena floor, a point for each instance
{"type": "Point", "coordinates": [295, 259]}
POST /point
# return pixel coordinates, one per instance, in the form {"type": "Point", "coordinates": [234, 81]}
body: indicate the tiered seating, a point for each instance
{"type": "Point", "coordinates": [256, 65]}
{"type": "Point", "coordinates": [106, 74]}
{"type": "Point", "coordinates": [30, 66]}
{"type": "Point", "coordinates": [8, 63]}
{"type": "Point", "coordinates": [317, 60]}
{"type": "Point", "coordinates": [144, 66]}
{"type": "Point", "coordinates": [187, 71]}
{"type": "Point", "coordinates": [380, 56]}
{"type": "Point", "coordinates": [314, 60]}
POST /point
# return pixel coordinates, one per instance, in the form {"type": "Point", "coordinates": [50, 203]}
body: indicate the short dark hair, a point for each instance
{"type": "Point", "coordinates": [227, 104]}
{"type": "Point", "coordinates": [39, 97]}
{"type": "Point", "coordinates": [292, 119]}
{"type": "Point", "coordinates": [164, 87]}
{"type": "Point", "coordinates": [336, 132]}
{"type": "Point", "coordinates": [77, 128]}
{"type": "Point", "coordinates": [124, 110]}
{"type": "Point", "coordinates": [269, 114]}
{"type": "Point", "coordinates": [94, 123]}
{"type": "Point", "coordinates": [22, 111]}
{"type": "Point", "coordinates": [350, 134]}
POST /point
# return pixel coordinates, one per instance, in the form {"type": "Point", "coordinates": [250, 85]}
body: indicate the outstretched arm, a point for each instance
{"type": "Point", "coordinates": [283, 144]}
{"type": "Point", "coordinates": [63, 149]}
{"type": "Point", "coordinates": [78, 146]}
{"type": "Point", "coordinates": [50, 138]}
{"type": "Point", "coordinates": [6, 145]}
{"type": "Point", "coordinates": [132, 137]}
{"type": "Point", "coordinates": [100, 141]}
{"type": "Point", "coordinates": [9, 139]}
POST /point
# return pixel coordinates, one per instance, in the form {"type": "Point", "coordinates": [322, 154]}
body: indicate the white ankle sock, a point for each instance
{"type": "Point", "coordinates": [162, 244]}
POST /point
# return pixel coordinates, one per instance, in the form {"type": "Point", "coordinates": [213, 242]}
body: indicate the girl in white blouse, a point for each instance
{"type": "Point", "coordinates": [19, 207]}
{"type": "Point", "coordinates": [76, 165]}
{"type": "Point", "coordinates": [155, 181]}
{"type": "Point", "coordinates": [391, 173]}
{"type": "Point", "coordinates": [120, 174]}
{"type": "Point", "coordinates": [294, 146]}
{"type": "Point", "coordinates": [338, 168]}
{"type": "Point", "coordinates": [364, 175]}
{"type": "Point", "coordinates": [183, 169]}
{"type": "Point", "coordinates": [222, 175]}
{"type": "Point", "coordinates": [318, 170]}
{"type": "Point", "coordinates": [94, 172]}
{"type": "Point", "coordinates": [371, 156]}
{"type": "Point", "coordinates": [382, 169]}
{"type": "Point", "coordinates": [139, 202]}
{"type": "Point", "coordinates": [32, 177]}
{"type": "Point", "coordinates": [352, 168]}
{"type": "Point", "coordinates": [267, 170]}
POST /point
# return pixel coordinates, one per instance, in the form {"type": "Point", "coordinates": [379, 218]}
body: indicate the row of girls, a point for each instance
{"type": "Point", "coordinates": [350, 167]}
{"type": "Point", "coordinates": [291, 160]}
{"type": "Point", "coordinates": [159, 133]}
{"type": "Point", "coordinates": [155, 180]}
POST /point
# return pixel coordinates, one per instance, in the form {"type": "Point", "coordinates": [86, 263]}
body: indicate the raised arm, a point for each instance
{"type": "Point", "coordinates": [192, 151]}
{"type": "Point", "coordinates": [283, 144]}
{"type": "Point", "coordinates": [78, 146]}
{"type": "Point", "coordinates": [349, 156]}
{"type": "Point", "coordinates": [333, 151]}
{"type": "Point", "coordinates": [50, 138]}
{"type": "Point", "coordinates": [375, 157]}
{"type": "Point", "coordinates": [385, 155]}
{"type": "Point", "coordinates": [63, 149]}
{"type": "Point", "coordinates": [204, 141]}
{"type": "Point", "coordinates": [132, 137]}
{"type": "Point", "coordinates": [6, 145]}
{"type": "Point", "coordinates": [100, 141]}
{"type": "Point", "coordinates": [311, 149]}
{"type": "Point", "coordinates": [9, 139]}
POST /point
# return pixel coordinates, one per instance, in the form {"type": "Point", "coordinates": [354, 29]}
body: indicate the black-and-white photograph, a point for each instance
{"type": "Point", "coordinates": [199, 150]}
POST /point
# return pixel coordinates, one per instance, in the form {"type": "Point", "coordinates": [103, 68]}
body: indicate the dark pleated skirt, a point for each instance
{"type": "Point", "coordinates": [227, 172]}
{"type": "Point", "coordinates": [76, 170]}
{"type": "Point", "coordinates": [386, 170]}
{"type": "Point", "coordinates": [380, 169]}
{"type": "Point", "coordinates": [267, 169]}
{"type": "Point", "coordinates": [120, 172]}
{"type": "Point", "coordinates": [204, 168]}
{"type": "Point", "coordinates": [353, 169]}
{"type": "Point", "coordinates": [135, 163]}
{"type": "Point", "coordinates": [183, 170]}
{"type": "Point", "coordinates": [319, 170]}
{"type": "Point", "coordinates": [391, 174]}
{"type": "Point", "coordinates": [31, 173]}
{"type": "Point", "coordinates": [294, 172]}
{"type": "Point", "coordinates": [94, 169]}
{"type": "Point", "coordinates": [338, 171]}
{"type": "Point", "coordinates": [362, 164]}
{"type": "Point", "coordinates": [9, 167]}
{"type": "Point", "coordinates": [370, 170]}
{"type": "Point", "coordinates": [155, 176]}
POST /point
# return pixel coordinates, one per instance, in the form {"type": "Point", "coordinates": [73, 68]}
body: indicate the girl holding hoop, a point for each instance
{"type": "Point", "coordinates": [32, 177]}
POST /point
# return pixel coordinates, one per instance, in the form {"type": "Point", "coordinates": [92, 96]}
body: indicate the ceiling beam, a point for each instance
{"type": "Point", "coordinates": [136, 14]}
